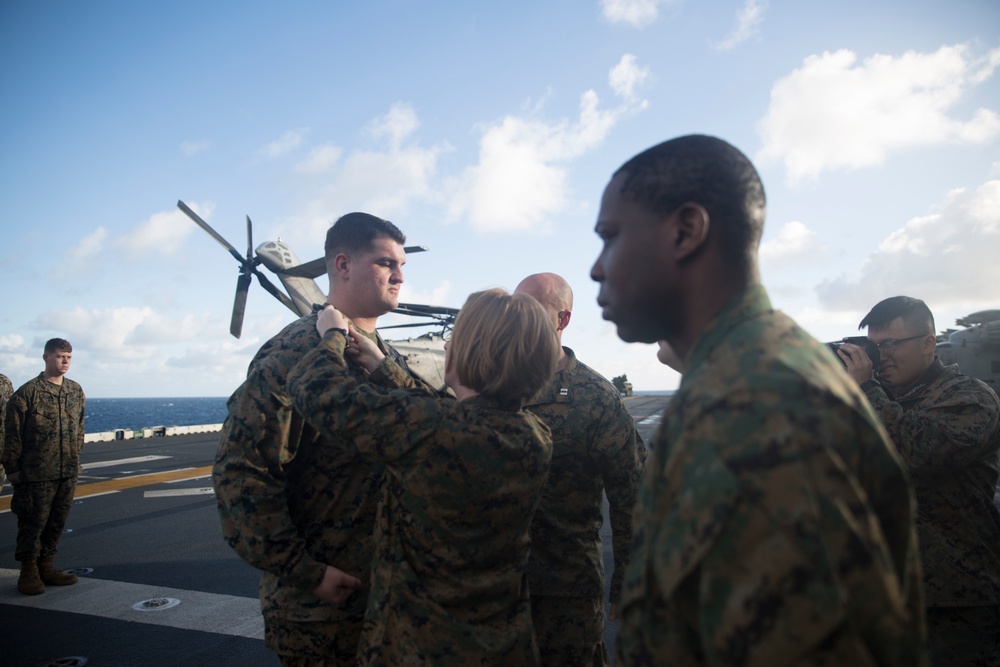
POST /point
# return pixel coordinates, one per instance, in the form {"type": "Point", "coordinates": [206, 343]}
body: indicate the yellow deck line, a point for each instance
{"type": "Point", "coordinates": [130, 482]}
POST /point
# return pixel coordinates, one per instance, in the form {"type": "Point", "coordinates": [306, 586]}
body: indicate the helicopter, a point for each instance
{"type": "Point", "coordinates": [424, 354]}
{"type": "Point", "coordinates": [976, 348]}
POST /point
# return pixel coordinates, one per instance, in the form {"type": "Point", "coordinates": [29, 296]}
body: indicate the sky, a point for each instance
{"type": "Point", "coordinates": [487, 132]}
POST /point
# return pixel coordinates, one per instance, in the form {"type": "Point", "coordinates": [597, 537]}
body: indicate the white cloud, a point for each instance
{"type": "Point", "coordinates": [91, 244]}
{"type": "Point", "coordinates": [11, 343]}
{"type": "Point", "coordinates": [129, 332]}
{"type": "Point", "coordinates": [320, 159]}
{"type": "Point", "coordinates": [437, 295]}
{"type": "Point", "coordinates": [626, 77]}
{"type": "Point", "coordinates": [189, 148]}
{"type": "Point", "coordinates": [103, 329]}
{"type": "Point", "coordinates": [748, 21]}
{"type": "Point", "coordinates": [948, 258]}
{"type": "Point", "coordinates": [288, 142]}
{"type": "Point", "coordinates": [794, 246]}
{"type": "Point", "coordinates": [636, 13]}
{"type": "Point", "coordinates": [396, 126]}
{"type": "Point", "coordinates": [520, 181]}
{"type": "Point", "coordinates": [385, 181]}
{"type": "Point", "coordinates": [163, 232]}
{"type": "Point", "coordinates": [834, 113]}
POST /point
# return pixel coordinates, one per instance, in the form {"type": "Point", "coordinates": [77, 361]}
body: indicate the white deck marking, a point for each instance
{"type": "Point", "coordinates": [122, 462]}
{"type": "Point", "coordinates": [206, 612]}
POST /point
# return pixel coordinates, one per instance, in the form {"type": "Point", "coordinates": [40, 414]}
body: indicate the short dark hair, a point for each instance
{"type": "Point", "coordinates": [707, 171]}
{"type": "Point", "coordinates": [914, 312]}
{"type": "Point", "coordinates": [356, 232]}
{"type": "Point", "coordinates": [57, 345]}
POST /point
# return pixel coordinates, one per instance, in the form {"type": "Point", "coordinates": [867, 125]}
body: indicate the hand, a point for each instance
{"type": "Point", "coordinates": [859, 364]}
{"type": "Point", "coordinates": [14, 477]}
{"type": "Point", "coordinates": [364, 351]}
{"type": "Point", "coordinates": [330, 318]}
{"type": "Point", "coordinates": [613, 613]}
{"type": "Point", "coordinates": [337, 586]}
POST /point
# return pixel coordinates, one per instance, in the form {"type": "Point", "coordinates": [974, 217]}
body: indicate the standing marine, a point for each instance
{"type": "Point", "coordinates": [294, 502]}
{"type": "Point", "coordinates": [463, 478]}
{"type": "Point", "coordinates": [43, 439]}
{"type": "Point", "coordinates": [774, 524]}
{"type": "Point", "coordinates": [6, 389]}
{"type": "Point", "coordinates": [946, 426]}
{"type": "Point", "coordinates": [595, 450]}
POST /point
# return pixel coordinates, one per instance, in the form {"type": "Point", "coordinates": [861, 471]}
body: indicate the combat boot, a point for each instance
{"type": "Point", "coordinates": [29, 582]}
{"type": "Point", "coordinates": [51, 576]}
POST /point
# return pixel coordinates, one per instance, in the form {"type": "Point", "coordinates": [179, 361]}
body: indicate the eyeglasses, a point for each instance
{"type": "Point", "coordinates": [447, 335]}
{"type": "Point", "coordinates": [889, 344]}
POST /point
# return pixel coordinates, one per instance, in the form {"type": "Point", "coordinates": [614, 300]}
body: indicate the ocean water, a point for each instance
{"type": "Point", "coordinates": [108, 414]}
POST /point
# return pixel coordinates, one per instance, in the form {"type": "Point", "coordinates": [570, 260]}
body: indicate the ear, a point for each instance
{"type": "Point", "coordinates": [691, 223]}
{"type": "Point", "coordinates": [341, 264]}
{"type": "Point", "coordinates": [928, 344]}
{"type": "Point", "coordinates": [564, 317]}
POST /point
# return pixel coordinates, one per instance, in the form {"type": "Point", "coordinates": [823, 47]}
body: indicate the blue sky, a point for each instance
{"type": "Point", "coordinates": [487, 132]}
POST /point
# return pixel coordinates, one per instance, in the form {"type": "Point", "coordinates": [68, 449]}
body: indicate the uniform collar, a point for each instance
{"type": "Point", "coordinates": [748, 304]}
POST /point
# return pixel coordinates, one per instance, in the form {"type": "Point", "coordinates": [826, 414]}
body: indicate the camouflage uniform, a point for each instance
{"type": "Point", "coordinates": [595, 448]}
{"type": "Point", "coordinates": [43, 438]}
{"type": "Point", "coordinates": [947, 428]}
{"type": "Point", "coordinates": [6, 389]}
{"type": "Point", "coordinates": [449, 585]}
{"type": "Point", "coordinates": [774, 523]}
{"type": "Point", "coordinates": [292, 501]}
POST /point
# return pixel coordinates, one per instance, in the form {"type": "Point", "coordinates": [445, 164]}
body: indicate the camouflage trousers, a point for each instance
{"type": "Point", "coordinates": [569, 631]}
{"type": "Point", "coordinates": [42, 509]}
{"type": "Point", "coordinates": [313, 643]}
{"type": "Point", "coordinates": [964, 636]}
{"type": "Point", "coordinates": [3, 476]}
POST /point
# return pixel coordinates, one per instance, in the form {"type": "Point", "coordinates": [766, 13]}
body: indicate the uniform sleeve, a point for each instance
{"type": "Point", "coordinates": [948, 433]}
{"type": "Point", "coordinates": [17, 409]}
{"type": "Point", "coordinates": [770, 556]}
{"type": "Point", "coordinates": [259, 438]}
{"type": "Point", "coordinates": [391, 375]}
{"type": "Point", "coordinates": [621, 454]}
{"type": "Point", "coordinates": [83, 417]}
{"type": "Point", "coordinates": [6, 389]}
{"type": "Point", "coordinates": [383, 424]}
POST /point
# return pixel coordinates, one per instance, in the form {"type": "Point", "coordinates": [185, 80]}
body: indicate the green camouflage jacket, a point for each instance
{"type": "Point", "coordinates": [595, 449]}
{"type": "Point", "coordinates": [6, 389]}
{"type": "Point", "coordinates": [43, 430]}
{"type": "Point", "coordinates": [774, 524]}
{"type": "Point", "coordinates": [449, 585]}
{"type": "Point", "coordinates": [290, 500]}
{"type": "Point", "coordinates": [948, 432]}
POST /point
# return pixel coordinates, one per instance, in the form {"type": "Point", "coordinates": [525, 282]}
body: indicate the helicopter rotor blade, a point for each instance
{"type": "Point", "coordinates": [275, 292]}
{"type": "Point", "coordinates": [214, 234]}
{"type": "Point", "coordinates": [239, 305]}
{"type": "Point", "coordinates": [249, 240]}
{"type": "Point", "coordinates": [411, 325]}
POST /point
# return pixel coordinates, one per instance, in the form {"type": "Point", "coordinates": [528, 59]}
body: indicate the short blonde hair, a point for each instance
{"type": "Point", "coordinates": [503, 345]}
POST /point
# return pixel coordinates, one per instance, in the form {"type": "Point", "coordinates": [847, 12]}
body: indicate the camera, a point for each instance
{"type": "Point", "coordinates": [861, 341]}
